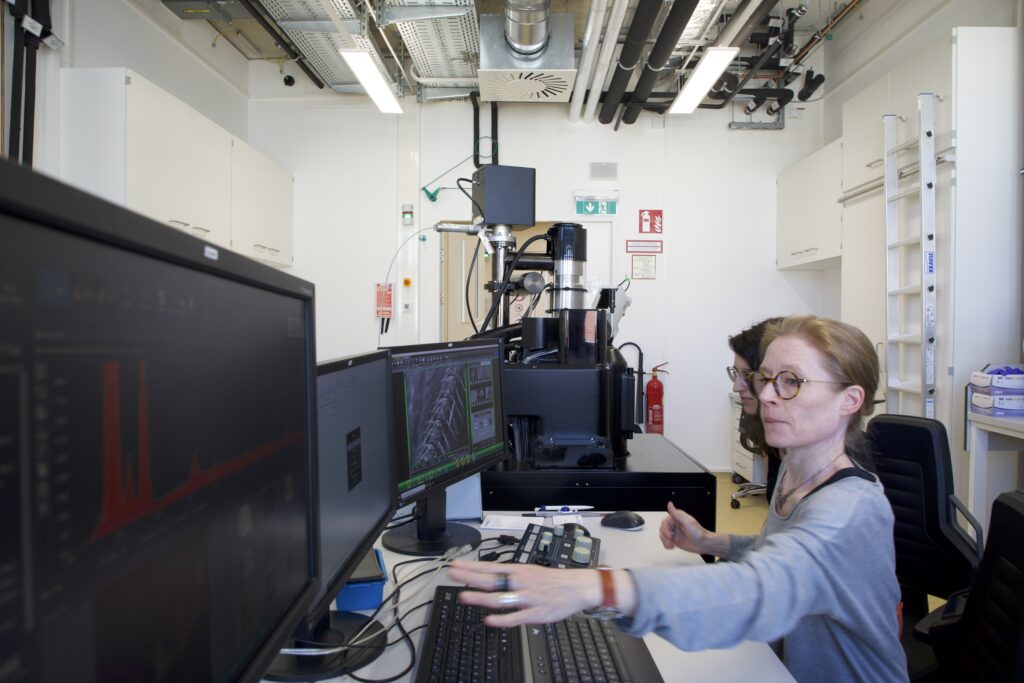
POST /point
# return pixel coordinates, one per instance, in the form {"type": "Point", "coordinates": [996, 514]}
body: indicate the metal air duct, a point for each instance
{"type": "Point", "coordinates": [526, 54]}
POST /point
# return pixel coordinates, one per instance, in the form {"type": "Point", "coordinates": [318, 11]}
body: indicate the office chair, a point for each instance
{"type": "Point", "coordinates": [979, 634]}
{"type": "Point", "coordinates": [934, 554]}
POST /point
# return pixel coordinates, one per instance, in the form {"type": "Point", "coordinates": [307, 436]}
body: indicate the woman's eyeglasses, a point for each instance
{"type": "Point", "coordinates": [786, 384]}
{"type": "Point", "coordinates": [743, 375]}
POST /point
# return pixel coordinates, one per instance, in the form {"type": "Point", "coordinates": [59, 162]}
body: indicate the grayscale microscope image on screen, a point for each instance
{"type": "Point", "coordinates": [435, 398]}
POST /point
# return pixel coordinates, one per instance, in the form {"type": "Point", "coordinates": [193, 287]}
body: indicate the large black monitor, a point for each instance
{"type": "Point", "coordinates": [357, 499]}
{"type": "Point", "coordinates": [450, 425]}
{"type": "Point", "coordinates": [157, 470]}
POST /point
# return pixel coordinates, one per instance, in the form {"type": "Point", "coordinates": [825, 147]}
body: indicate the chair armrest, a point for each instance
{"type": "Point", "coordinates": [941, 617]}
{"type": "Point", "coordinates": [977, 544]}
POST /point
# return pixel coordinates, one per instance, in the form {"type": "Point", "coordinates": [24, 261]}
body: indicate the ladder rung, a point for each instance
{"type": "Point", "coordinates": [906, 193]}
{"type": "Point", "coordinates": [907, 242]}
{"type": "Point", "coordinates": [905, 339]}
{"type": "Point", "coordinates": [909, 144]}
{"type": "Point", "coordinates": [905, 387]}
{"type": "Point", "coordinates": [904, 291]}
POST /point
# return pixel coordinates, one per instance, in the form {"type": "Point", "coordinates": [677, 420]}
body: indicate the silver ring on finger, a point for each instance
{"type": "Point", "coordinates": [509, 599]}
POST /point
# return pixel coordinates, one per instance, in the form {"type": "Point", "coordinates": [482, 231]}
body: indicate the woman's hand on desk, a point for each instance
{"type": "Point", "coordinates": [680, 530]}
{"type": "Point", "coordinates": [541, 595]}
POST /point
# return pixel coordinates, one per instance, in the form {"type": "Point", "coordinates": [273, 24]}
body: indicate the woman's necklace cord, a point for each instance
{"type": "Point", "coordinates": [783, 497]}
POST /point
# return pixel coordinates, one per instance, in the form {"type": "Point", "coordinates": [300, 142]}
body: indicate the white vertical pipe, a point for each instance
{"type": "Point", "coordinates": [591, 38]}
{"type": "Point", "coordinates": [611, 39]}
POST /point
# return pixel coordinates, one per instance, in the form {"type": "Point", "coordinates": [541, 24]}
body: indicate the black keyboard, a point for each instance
{"type": "Point", "coordinates": [458, 648]}
{"type": "Point", "coordinates": [568, 547]}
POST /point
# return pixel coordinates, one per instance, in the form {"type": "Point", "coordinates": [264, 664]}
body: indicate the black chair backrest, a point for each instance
{"type": "Point", "coordinates": [913, 463]}
{"type": "Point", "coordinates": [987, 643]}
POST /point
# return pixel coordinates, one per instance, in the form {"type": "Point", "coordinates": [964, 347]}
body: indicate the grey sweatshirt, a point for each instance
{"type": "Point", "coordinates": [822, 580]}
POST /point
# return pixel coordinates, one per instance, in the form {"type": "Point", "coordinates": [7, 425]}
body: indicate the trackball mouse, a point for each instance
{"type": "Point", "coordinates": [623, 519]}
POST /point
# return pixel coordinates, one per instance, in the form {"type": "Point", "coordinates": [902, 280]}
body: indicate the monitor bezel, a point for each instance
{"type": "Point", "coordinates": [455, 476]}
{"type": "Point", "coordinates": [52, 204]}
{"type": "Point", "coordinates": [335, 583]}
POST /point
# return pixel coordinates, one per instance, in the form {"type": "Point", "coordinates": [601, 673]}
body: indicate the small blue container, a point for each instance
{"type": "Point", "coordinates": [364, 590]}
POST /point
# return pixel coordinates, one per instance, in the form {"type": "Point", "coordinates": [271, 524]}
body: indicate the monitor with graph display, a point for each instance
{"type": "Point", "coordinates": [157, 492]}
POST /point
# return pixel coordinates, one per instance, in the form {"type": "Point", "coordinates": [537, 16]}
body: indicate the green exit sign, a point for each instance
{"type": "Point", "coordinates": [596, 207]}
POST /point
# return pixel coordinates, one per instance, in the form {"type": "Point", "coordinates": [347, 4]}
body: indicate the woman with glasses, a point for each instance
{"type": "Point", "coordinates": [746, 348]}
{"type": "Point", "coordinates": [818, 581]}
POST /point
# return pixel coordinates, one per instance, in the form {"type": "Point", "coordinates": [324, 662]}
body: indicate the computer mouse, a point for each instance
{"type": "Point", "coordinates": [623, 519]}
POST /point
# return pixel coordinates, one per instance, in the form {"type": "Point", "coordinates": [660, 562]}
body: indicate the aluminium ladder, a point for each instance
{"type": "Point", "coordinates": [910, 269]}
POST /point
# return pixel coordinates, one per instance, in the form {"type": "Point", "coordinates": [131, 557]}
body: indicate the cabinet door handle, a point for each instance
{"type": "Point", "coordinates": [873, 164]}
{"type": "Point", "coordinates": [811, 252]}
{"type": "Point", "coordinates": [260, 246]}
{"type": "Point", "coordinates": [177, 222]}
{"type": "Point", "coordinates": [276, 251]}
{"type": "Point", "coordinates": [197, 228]}
{"type": "Point", "coordinates": [796, 253]}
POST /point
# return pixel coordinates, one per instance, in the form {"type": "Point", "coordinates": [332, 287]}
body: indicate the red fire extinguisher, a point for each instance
{"type": "Point", "coordinates": [655, 401]}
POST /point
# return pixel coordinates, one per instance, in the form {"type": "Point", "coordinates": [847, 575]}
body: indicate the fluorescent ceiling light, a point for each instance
{"type": "Point", "coordinates": [709, 69]}
{"type": "Point", "coordinates": [372, 80]}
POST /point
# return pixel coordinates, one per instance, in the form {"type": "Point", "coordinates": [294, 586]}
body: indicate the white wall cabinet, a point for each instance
{"type": "Point", "coordinates": [130, 142]}
{"type": "Point", "coordinates": [261, 205]}
{"type": "Point", "coordinates": [809, 232]}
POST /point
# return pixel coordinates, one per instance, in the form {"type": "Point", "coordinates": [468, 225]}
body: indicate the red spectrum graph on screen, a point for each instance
{"type": "Point", "coordinates": [125, 501]}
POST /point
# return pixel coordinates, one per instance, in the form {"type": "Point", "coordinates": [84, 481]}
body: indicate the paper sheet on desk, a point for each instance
{"type": "Point", "coordinates": [519, 523]}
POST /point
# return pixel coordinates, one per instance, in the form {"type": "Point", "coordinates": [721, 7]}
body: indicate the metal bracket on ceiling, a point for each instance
{"type": "Point", "coordinates": [430, 94]}
{"type": "Point", "coordinates": [394, 15]}
{"type": "Point", "coordinates": [325, 26]}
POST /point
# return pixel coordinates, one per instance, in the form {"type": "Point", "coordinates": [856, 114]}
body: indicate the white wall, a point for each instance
{"type": "Point", "coordinates": [343, 155]}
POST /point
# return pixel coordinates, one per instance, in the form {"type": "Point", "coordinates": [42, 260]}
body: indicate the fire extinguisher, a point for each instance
{"type": "Point", "coordinates": [655, 401]}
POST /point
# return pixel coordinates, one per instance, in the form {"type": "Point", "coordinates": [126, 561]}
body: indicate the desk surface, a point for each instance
{"type": "Point", "coordinates": [747, 661]}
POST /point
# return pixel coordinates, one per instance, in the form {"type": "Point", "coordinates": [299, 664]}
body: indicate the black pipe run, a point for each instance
{"type": "Point", "coordinates": [639, 31]}
{"type": "Point", "coordinates": [675, 23]}
{"type": "Point", "coordinates": [281, 41]}
{"type": "Point", "coordinates": [474, 98]}
{"type": "Point", "coordinates": [746, 78]}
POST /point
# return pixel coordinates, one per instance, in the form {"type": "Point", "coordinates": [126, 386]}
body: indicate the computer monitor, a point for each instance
{"type": "Point", "coordinates": [450, 425]}
{"type": "Point", "coordinates": [357, 499]}
{"type": "Point", "coordinates": [157, 496]}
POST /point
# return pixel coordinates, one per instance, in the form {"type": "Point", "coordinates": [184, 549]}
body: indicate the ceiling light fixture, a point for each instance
{"type": "Point", "coordinates": [372, 80]}
{"type": "Point", "coordinates": [711, 66]}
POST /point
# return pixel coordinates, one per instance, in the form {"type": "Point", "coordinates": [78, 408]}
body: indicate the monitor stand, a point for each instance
{"type": "Point", "coordinates": [431, 534]}
{"type": "Point", "coordinates": [337, 628]}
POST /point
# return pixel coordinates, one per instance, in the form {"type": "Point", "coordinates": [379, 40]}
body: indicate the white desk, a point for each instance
{"type": "Point", "coordinates": [995, 445]}
{"type": "Point", "coordinates": [747, 661]}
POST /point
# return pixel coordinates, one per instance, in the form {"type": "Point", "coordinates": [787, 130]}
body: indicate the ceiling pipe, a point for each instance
{"type": "Point", "coordinates": [591, 38]}
{"type": "Point", "coordinates": [604, 60]}
{"type": "Point", "coordinates": [756, 18]}
{"type": "Point", "coordinates": [675, 24]}
{"type": "Point", "coordinates": [772, 49]}
{"type": "Point", "coordinates": [639, 31]}
{"type": "Point", "coordinates": [282, 42]}
{"type": "Point", "coordinates": [526, 26]}
{"type": "Point", "coordinates": [736, 22]}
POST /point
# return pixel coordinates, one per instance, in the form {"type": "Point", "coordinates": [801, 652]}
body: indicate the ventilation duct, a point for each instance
{"type": "Point", "coordinates": [526, 54]}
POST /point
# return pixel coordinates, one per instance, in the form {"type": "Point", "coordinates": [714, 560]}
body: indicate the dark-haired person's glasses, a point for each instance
{"type": "Point", "coordinates": [786, 384]}
{"type": "Point", "coordinates": [743, 375]}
